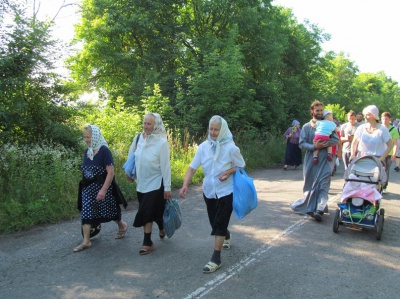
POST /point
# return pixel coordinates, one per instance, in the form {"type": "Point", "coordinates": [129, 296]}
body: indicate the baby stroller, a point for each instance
{"type": "Point", "coordinates": [361, 196]}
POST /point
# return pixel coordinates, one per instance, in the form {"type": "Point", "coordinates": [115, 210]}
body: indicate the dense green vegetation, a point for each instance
{"type": "Point", "coordinates": [247, 60]}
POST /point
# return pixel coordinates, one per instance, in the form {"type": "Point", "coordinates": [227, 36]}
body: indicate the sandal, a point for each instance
{"type": "Point", "coordinates": [162, 234]}
{"type": "Point", "coordinates": [315, 160]}
{"type": "Point", "coordinates": [211, 267]}
{"type": "Point", "coordinates": [329, 157]}
{"type": "Point", "coordinates": [82, 247]}
{"type": "Point", "coordinates": [146, 249]}
{"type": "Point", "coordinates": [121, 233]}
{"type": "Point", "coordinates": [227, 243]}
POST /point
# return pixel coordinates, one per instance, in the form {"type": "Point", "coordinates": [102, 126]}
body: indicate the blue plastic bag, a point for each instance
{"type": "Point", "coordinates": [130, 167]}
{"type": "Point", "coordinates": [172, 217]}
{"type": "Point", "coordinates": [244, 193]}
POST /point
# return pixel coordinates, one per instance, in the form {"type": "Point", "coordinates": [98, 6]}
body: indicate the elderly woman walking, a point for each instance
{"type": "Point", "coordinates": [219, 157]}
{"type": "Point", "coordinates": [293, 151]}
{"type": "Point", "coordinates": [97, 201]}
{"type": "Point", "coordinates": [153, 177]}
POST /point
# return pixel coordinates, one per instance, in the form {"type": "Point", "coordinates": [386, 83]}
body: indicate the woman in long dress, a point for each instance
{"type": "Point", "coordinates": [98, 203]}
{"type": "Point", "coordinates": [293, 151]}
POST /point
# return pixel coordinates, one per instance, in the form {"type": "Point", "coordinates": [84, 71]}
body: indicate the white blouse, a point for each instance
{"type": "Point", "coordinates": [372, 144]}
{"type": "Point", "coordinates": [152, 160]}
{"type": "Point", "coordinates": [229, 156]}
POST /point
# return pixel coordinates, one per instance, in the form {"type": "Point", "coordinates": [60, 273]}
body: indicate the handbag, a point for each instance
{"type": "Point", "coordinates": [172, 217]}
{"type": "Point", "coordinates": [129, 166]}
{"type": "Point", "coordinates": [244, 193]}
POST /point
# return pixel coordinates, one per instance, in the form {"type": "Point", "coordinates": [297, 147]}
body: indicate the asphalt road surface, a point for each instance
{"type": "Point", "coordinates": [275, 253]}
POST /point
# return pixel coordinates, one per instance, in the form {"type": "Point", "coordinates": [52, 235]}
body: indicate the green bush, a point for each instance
{"type": "Point", "coordinates": [38, 185]}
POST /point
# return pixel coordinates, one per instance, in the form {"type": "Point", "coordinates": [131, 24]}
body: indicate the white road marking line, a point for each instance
{"type": "Point", "coordinates": [252, 257]}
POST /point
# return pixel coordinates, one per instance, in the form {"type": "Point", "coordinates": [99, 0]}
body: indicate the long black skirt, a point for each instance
{"type": "Point", "coordinates": [151, 208]}
{"type": "Point", "coordinates": [293, 154]}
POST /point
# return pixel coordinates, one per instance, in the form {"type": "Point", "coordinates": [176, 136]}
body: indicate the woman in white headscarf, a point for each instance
{"type": "Point", "coordinates": [371, 138]}
{"type": "Point", "coordinates": [97, 201]}
{"type": "Point", "coordinates": [153, 177]}
{"type": "Point", "coordinates": [219, 157]}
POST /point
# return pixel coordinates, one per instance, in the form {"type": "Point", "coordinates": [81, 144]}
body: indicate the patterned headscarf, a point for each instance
{"type": "Point", "coordinates": [97, 141]}
{"type": "Point", "coordinates": [159, 128]}
{"type": "Point", "coordinates": [224, 136]}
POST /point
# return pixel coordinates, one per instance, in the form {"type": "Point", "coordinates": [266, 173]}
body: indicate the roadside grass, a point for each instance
{"type": "Point", "coordinates": [39, 183]}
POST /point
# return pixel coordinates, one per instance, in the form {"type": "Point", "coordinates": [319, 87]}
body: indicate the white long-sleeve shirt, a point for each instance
{"type": "Point", "coordinates": [229, 156]}
{"type": "Point", "coordinates": [152, 160]}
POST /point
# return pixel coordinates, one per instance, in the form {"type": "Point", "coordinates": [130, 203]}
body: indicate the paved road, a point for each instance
{"type": "Point", "coordinates": [275, 254]}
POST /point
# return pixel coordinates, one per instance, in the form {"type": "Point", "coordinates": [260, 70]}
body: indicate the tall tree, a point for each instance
{"type": "Point", "coordinates": [336, 83]}
{"type": "Point", "coordinates": [30, 92]}
{"type": "Point", "coordinates": [245, 59]}
{"type": "Point", "coordinates": [377, 89]}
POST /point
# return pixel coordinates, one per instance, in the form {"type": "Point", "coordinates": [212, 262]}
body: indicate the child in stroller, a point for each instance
{"type": "Point", "coordinates": [362, 194]}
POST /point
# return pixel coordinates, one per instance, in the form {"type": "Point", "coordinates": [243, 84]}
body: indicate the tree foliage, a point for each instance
{"type": "Point", "coordinates": [31, 105]}
{"type": "Point", "coordinates": [342, 84]}
{"type": "Point", "coordinates": [247, 60]}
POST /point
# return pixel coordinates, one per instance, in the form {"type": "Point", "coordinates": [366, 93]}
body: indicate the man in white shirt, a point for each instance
{"type": "Point", "coordinates": [347, 131]}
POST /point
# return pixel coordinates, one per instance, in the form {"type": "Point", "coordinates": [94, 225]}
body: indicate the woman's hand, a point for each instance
{"type": "Point", "coordinates": [167, 195]}
{"type": "Point", "coordinates": [101, 195]}
{"type": "Point", "coordinates": [129, 179]}
{"type": "Point", "coordinates": [183, 191]}
{"type": "Point", "coordinates": [224, 176]}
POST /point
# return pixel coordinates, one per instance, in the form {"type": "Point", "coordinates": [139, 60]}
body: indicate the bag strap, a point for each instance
{"type": "Point", "coordinates": [351, 218]}
{"type": "Point", "coordinates": [137, 140]}
{"type": "Point", "coordinates": [391, 129]}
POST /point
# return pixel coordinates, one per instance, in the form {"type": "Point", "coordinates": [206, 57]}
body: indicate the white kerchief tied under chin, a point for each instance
{"type": "Point", "coordinates": [159, 128]}
{"type": "Point", "coordinates": [97, 141]}
{"type": "Point", "coordinates": [224, 136]}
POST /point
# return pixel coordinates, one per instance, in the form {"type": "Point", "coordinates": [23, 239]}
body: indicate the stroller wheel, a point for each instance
{"type": "Point", "coordinates": [379, 227]}
{"type": "Point", "coordinates": [336, 221]}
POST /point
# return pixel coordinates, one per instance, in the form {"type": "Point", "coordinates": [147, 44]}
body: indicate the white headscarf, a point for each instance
{"type": "Point", "coordinates": [373, 110]}
{"type": "Point", "coordinates": [159, 128]}
{"type": "Point", "coordinates": [97, 141]}
{"type": "Point", "coordinates": [224, 136]}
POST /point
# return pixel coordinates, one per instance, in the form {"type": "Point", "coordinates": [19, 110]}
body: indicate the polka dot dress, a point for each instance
{"type": "Point", "coordinates": [104, 210]}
